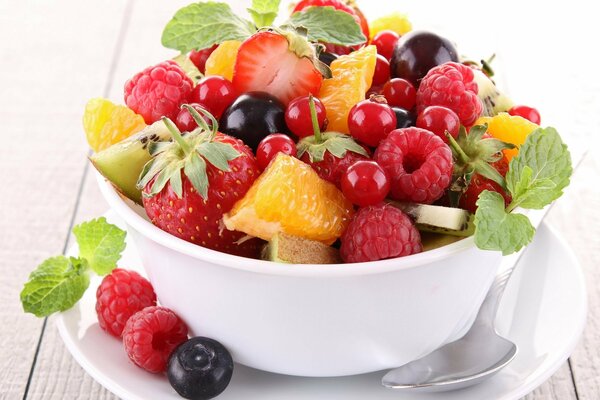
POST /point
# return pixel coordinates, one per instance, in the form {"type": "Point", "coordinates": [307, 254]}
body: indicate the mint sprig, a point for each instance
{"type": "Point", "coordinates": [59, 282]}
{"type": "Point", "coordinates": [536, 177]}
{"type": "Point", "coordinates": [264, 12]}
{"type": "Point", "coordinates": [328, 25]}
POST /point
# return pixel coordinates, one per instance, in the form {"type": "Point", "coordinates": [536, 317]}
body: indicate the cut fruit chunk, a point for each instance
{"type": "Point", "coordinates": [508, 128]}
{"type": "Point", "coordinates": [123, 162]}
{"type": "Point", "coordinates": [438, 219]}
{"type": "Point", "coordinates": [352, 77]}
{"type": "Point", "coordinates": [396, 22]}
{"type": "Point", "coordinates": [289, 249]}
{"type": "Point", "coordinates": [290, 197]}
{"type": "Point", "coordinates": [492, 99]}
{"type": "Point", "coordinates": [222, 59]}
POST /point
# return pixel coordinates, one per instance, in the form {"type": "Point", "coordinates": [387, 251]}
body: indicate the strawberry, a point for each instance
{"type": "Point", "coordinates": [280, 62]}
{"type": "Point", "coordinates": [479, 183]}
{"type": "Point", "coordinates": [191, 182]}
{"type": "Point", "coordinates": [330, 154]}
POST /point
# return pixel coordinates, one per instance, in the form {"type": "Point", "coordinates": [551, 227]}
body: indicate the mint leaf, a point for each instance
{"type": "Point", "coordinates": [100, 243]}
{"type": "Point", "coordinates": [495, 229]}
{"type": "Point", "coordinates": [56, 285]}
{"type": "Point", "coordinates": [189, 68]}
{"type": "Point", "coordinates": [328, 25]}
{"type": "Point", "coordinates": [264, 12]}
{"type": "Point", "coordinates": [541, 170]}
{"type": "Point", "coordinates": [201, 25]}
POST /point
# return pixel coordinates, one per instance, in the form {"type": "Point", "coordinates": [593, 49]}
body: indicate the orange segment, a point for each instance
{"type": "Point", "coordinates": [508, 128]}
{"type": "Point", "coordinates": [395, 21]}
{"type": "Point", "coordinates": [106, 123]}
{"type": "Point", "coordinates": [221, 61]}
{"type": "Point", "coordinates": [290, 197]}
{"type": "Point", "coordinates": [352, 77]}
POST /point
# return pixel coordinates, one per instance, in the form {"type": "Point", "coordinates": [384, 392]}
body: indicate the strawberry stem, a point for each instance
{"type": "Point", "coordinates": [456, 147]}
{"type": "Point", "coordinates": [214, 125]}
{"type": "Point", "coordinates": [177, 135]}
{"type": "Point", "coordinates": [314, 120]}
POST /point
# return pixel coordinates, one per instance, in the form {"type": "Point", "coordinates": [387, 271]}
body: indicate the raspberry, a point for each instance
{"type": "Point", "coordinates": [151, 335]}
{"type": "Point", "coordinates": [418, 162]}
{"type": "Point", "coordinates": [120, 295]}
{"type": "Point", "coordinates": [379, 232]}
{"type": "Point", "coordinates": [158, 91]}
{"type": "Point", "coordinates": [451, 85]}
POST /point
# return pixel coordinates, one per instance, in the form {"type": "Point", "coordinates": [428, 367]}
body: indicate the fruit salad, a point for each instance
{"type": "Point", "coordinates": [321, 139]}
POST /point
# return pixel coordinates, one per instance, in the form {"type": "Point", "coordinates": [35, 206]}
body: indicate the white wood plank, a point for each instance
{"type": "Point", "coordinates": [45, 82]}
{"type": "Point", "coordinates": [559, 387]}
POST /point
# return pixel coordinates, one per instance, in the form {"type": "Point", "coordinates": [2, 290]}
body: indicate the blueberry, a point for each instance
{"type": "Point", "coordinates": [200, 368]}
{"type": "Point", "coordinates": [327, 58]}
{"type": "Point", "coordinates": [404, 118]}
{"type": "Point", "coordinates": [252, 116]}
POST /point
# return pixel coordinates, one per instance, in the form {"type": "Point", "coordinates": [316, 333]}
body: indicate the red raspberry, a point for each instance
{"type": "Point", "coordinates": [151, 335]}
{"type": "Point", "coordinates": [451, 85]}
{"type": "Point", "coordinates": [418, 163]}
{"type": "Point", "coordinates": [379, 232]}
{"type": "Point", "coordinates": [158, 91]}
{"type": "Point", "coordinates": [121, 294]}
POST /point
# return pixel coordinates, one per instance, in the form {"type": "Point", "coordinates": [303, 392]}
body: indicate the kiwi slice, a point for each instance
{"type": "Point", "coordinates": [123, 162]}
{"type": "Point", "coordinates": [493, 100]}
{"type": "Point", "coordinates": [284, 248]}
{"type": "Point", "coordinates": [438, 219]}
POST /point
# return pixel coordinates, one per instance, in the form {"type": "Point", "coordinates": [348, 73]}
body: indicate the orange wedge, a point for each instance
{"type": "Point", "coordinates": [508, 128]}
{"type": "Point", "coordinates": [222, 59]}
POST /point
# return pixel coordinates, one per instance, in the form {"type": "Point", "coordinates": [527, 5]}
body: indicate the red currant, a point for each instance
{"type": "Point", "coordinates": [438, 120]}
{"type": "Point", "coordinates": [215, 93]}
{"type": "Point", "coordinates": [199, 57]}
{"type": "Point", "coordinates": [365, 183]}
{"type": "Point", "coordinates": [184, 120]}
{"type": "Point", "coordinates": [297, 116]}
{"type": "Point", "coordinates": [370, 121]}
{"type": "Point", "coordinates": [271, 145]}
{"type": "Point", "coordinates": [382, 71]}
{"type": "Point", "coordinates": [526, 112]}
{"type": "Point", "coordinates": [400, 93]}
{"type": "Point", "coordinates": [385, 42]}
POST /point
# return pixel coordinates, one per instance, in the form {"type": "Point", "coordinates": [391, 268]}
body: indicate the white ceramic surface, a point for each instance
{"type": "Point", "coordinates": [543, 312]}
{"type": "Point", "coordinates": [315, 320]}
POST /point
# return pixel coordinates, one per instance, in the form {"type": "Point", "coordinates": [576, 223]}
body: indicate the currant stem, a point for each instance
{"type": "Point", "coordinates": [456, 147]}
{"type": "Point", "coordinates": [314, 120]}
{"type": "Point", "coordinates": [177, 135]}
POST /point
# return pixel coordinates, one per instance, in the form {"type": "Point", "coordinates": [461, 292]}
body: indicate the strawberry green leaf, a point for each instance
{"type": "Point", "coordinates": [541, 170]}
{"type": "Point", "coordinates": [218, 154]}
{"type": "Point", "coordinates": [201, 25]}
{"type": "Point", "coordinates": [336, 143]}
{"type": "Point", "coordinates": [264, 12]}
{"type": "Point", "coordinates": [495, 229]}
{"type": "Point", "coordinates": [195, 170]}
{"type": "Point", "coordinates": [100, 243]}
{"type": "Point", "coordinates": [328, 25]}
{"type": "Point", "coordinates": [55, 285]}
{"type": "Point", "coordinates": [175, 182]}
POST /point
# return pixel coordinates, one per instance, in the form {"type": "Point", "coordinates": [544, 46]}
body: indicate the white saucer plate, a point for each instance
{"type": "Point", "coordinates": [543, 311]}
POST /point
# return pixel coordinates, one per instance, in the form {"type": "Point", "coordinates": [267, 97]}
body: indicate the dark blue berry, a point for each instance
{"type": "Point", "coordinates": [404, 118]}
{"type": "Point", "coordinates": [327, 58]}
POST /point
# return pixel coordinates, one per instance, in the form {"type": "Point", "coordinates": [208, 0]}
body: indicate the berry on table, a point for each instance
{"type": "Point", "coordinates": [529, 113]}
{"type": "Point", "coordinates": [199, 57]}
{"type": "Point", "coordinates": [451, 85]}
{"type": "Point", "coordinates": [385, 42]}
{"type": "Point", "coordinates": [158, 91]}
{"type": "Point", "coordinates": [365, 183]}
{"type": "Point", "coordinates": [382, 71]}
{"type": "Point", "coordinates": [271, 145]}
{"type": "Point", "coordinates": [184, 120]}
{"type": "Point", "coordinates": [200, 368]}
{"type": "Point", "coordinates": [404, 118]}
{"type": "Point", "coordinates": [418, 163]}
{"type": "Point", "coordinates": [151, 335]}
{"type": "Point", "coordinates": [369, 121]}
{"type": "Point", "coordinates": [438, 120]}
{"type": "Point", "coordinates": [297, 116]}
{"type": "Point", "coordinates": [215, 93]}
{"type": "Point", "coordinates": [400, 93]}
{"type": "Point", "coordinates": [379, 232]}
{"type": "Point", "coordinates": [121, 294]}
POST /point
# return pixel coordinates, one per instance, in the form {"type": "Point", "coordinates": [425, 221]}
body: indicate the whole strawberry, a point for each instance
{"type": "Point", "coordinates": [158, 91]}
{"type": "Point", "coordinates": [479, 183]}
{"type": "Point", "coordinates": [451, 85]}
{"type": "Point", "coordinates": [191, 182]}
{"type": "Point", "coordinates": [330, 154]}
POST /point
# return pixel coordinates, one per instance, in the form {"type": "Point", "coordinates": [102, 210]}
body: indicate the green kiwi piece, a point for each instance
{"type": "Point", "coordinates": [439, 219]}
{"type": "Point", "coordinates": [123, 162]}
{"type": "Point", "coordinates": [284, 248]}
{"type": "Point", "coordinates": [493, 100]}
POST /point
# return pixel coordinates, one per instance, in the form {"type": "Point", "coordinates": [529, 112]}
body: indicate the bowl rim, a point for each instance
{"type": "Point", "coordinates": [124, 209]}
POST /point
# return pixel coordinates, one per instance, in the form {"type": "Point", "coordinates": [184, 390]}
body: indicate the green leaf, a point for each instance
{"type": "Point", "coordinates": [218, 154]}
{"type": "Point", "coordinates": [188, 67]}
{"type": "Point", "coordinates": [336, 143]}
{"type": "Point", "coordinates": [56, 285]}
{"type": "Point", "coordinates": [195, 170]}
{"type": "Point", "coordinates": [100, 243]}
{"type": "Point", "coordinates": [201, 25]}
{"type": "Point", "coordinates": [495, 229]}
{"type": "Point", "coordinates": [264, 12]}
{"type": "Point", "coordinates": [176, 184]}
{"type": "Point", "coordinates": [541, 170]}
{"type": "Point", "coordinates": [326, 24]}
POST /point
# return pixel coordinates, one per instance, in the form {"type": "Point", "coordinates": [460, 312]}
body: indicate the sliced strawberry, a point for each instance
{"type": "Point", "coordinates": [281, 63]}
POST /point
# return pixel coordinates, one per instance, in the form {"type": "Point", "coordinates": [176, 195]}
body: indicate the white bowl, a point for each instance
{"type": "Point", "coordinates": [314, 320]}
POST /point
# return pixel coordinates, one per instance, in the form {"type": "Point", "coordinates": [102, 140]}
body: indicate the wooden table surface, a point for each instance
{"type": "Point", "coordinates": [56, 55]}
